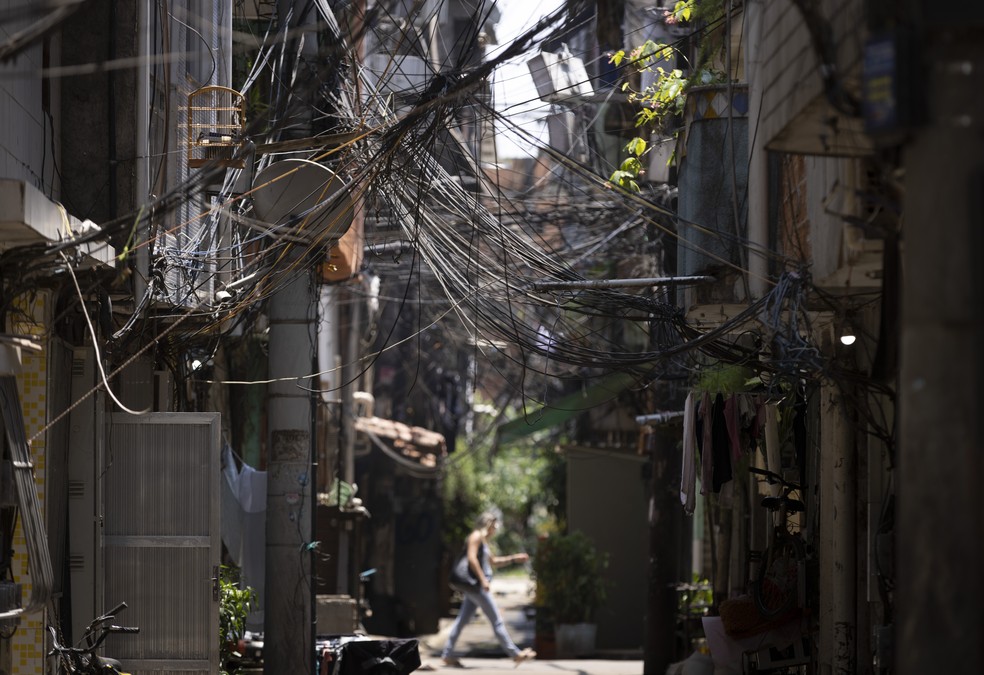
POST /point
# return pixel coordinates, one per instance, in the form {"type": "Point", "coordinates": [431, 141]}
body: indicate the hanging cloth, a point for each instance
{"type": "Point", "coordinates": [688, 474]}
{"type": "Point", "coordinates": [705, 443]}
{"type": "Point", "coordinates": [720, 446]}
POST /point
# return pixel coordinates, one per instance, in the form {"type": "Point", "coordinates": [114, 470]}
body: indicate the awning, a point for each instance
{"type": "Point", "coordinates": [27, 216]}
{"type": "Point", "coordinates": [568, 407]}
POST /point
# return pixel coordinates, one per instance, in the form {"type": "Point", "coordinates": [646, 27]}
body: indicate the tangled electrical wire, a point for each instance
{"type": "Point", "coordinates": [478, 253]}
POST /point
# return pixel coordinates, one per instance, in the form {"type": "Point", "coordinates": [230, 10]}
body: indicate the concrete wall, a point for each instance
{"type": "Point", "coordinates": [25, 135]}
{"type": "Point", "coordinates": [611, 508]}
{"type": "Point", "coordinates": [97, 138]}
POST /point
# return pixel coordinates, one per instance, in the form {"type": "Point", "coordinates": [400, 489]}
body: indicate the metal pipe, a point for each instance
{"type": "Point", "coordinates": [142, 160]}
{"type": "Point", "coordinates": [758, 161]}
{"type": "Point", "coordinates": [618, 283]}
{"type": "Point", "coordinates": [658, 418]}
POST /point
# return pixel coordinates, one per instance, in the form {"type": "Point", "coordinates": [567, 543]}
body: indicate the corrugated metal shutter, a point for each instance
{"type": "Point", "coordinates": [161, 540]}
{"type": "Point", "coordinates": [84, 469]}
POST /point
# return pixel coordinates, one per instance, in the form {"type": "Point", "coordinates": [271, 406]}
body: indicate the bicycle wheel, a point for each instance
{"type": "Point", "coordinates": [777, 587]}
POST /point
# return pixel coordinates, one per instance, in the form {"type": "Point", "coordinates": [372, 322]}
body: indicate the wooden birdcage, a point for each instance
{"type": "Point", "coordinates": [216, 127]}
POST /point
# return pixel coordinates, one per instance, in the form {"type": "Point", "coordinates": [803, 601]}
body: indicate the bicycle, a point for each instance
{"type": "Point", "coordinates": [781, 580]}
{"type": "Point", "coordinates": [82, 659]}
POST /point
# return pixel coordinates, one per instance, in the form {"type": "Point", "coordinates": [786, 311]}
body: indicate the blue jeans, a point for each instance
{"type": "Point", "coordinates": [472, 601]}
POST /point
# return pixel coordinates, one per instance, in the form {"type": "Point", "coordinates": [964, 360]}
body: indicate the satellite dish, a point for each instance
{"type": "Point", "coordinates": [303, 200]}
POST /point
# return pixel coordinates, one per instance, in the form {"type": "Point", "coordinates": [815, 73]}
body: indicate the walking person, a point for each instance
{"type": "Point", "coordinates": [471, 577]}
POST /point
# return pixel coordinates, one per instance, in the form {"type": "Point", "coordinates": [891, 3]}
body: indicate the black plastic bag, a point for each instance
{"type": "Point", "coordinates": [378, 657]}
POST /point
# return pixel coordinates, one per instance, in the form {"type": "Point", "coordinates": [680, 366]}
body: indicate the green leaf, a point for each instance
{"type": "Point", "coordinates": [683, 10]}
{"type": "Point", "coordinates": [636, 146]}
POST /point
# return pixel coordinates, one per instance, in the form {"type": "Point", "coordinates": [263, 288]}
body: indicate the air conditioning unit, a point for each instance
{"type": "Point", "coordinates": [559, 77]}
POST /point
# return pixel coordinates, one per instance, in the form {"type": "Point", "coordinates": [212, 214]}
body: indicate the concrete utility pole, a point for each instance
{"type": "Point", "coordinates": [288, 644]}
{"type": "Point", "coordinates": [940, 527]}
{"type": "Point", "coordinates": [838, 519]}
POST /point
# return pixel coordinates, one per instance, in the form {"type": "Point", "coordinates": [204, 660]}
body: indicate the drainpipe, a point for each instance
{"type": "Point", "coordinates": [351, 365]}
{"type": "Point", "coordinates": [142, 142]}
{"type": "Point", "coordinates": [111, 114]}
{"type": "Point", "coordinates": [758, 160]}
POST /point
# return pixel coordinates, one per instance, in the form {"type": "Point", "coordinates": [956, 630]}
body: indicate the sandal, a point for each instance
{"type": "Point", "coordinates": [524, 655]}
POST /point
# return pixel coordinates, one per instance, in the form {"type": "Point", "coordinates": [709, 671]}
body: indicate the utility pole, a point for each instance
{"type": "Point", "coordinates": [940, 530]}
{"type": "Point", "coordinates": [838, 537]}
{"type": "Point", "coordinates": [288, 645]}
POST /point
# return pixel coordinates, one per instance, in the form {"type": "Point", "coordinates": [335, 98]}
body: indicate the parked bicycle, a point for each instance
{"type": "Point", "coordinates": [781, 580]}
{"type": "Point", "coordinates": [83, 659]}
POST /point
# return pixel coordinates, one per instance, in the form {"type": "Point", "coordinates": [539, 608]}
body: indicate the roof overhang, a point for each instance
{"type": "Point", "coordinates": [819, 129]}
{"type": "Point", "coordinates": [568, 407]}
{"type": "Point", "coordinates": [414, 443]}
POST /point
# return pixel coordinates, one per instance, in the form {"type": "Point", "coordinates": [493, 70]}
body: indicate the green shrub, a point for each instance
{"type": "Point", "coordinates": [568, 569]}
{"type": "Point", "coordinates": [234, 606]}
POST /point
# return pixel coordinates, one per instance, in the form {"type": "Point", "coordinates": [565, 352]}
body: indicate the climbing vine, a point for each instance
{"type": "Point", "coordinates": [665, 98]}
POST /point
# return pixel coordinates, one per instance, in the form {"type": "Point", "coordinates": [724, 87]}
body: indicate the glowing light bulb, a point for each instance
{"type": "Point", "coordinates": [848, 339]}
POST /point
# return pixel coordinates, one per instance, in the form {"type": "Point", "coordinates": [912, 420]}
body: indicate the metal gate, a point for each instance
{"type": "Point", "coordinates": [161, 540]}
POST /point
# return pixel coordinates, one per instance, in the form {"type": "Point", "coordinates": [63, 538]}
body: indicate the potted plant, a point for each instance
{"type": "Point", "coordinates": [568, 570]}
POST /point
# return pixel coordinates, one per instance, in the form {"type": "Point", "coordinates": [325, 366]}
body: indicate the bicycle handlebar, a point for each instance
{"type": "Point", "coordinates": [116, 610]}
{"type": "Point", "coordinates": [765, 472]}
{"type": "Point", "coordinates": [122, 629]}
{"type": "Point", "coordinates": [771, 477]}
{"type": "Point", "coordinates": [95, 634]}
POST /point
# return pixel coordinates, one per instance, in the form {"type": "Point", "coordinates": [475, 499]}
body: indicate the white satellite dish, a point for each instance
{"type": "Point", "coordinates": [301, 199]}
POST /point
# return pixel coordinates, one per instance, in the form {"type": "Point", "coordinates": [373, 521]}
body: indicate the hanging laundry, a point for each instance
{"type": "Point", "coordinates": [688, 474]}
{"type": "Point", "coordinates": [705, 442]}
{"type": "Point", "coordinates": [733, 424]}
{"type": "Point", "coordinates": [720, 446]}
{"type": "Point", "coordinates": [244, 526]}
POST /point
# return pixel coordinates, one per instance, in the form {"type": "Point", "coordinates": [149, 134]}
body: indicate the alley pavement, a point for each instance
{"type": "Point", "coordinates": [480, 654]}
